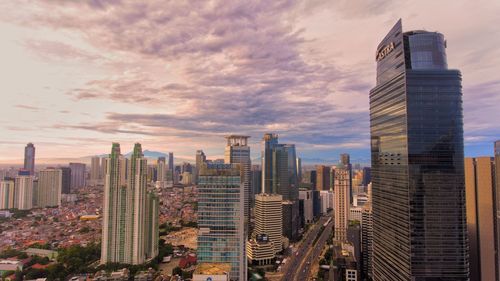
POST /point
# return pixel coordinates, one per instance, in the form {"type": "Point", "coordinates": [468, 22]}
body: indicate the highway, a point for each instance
{"type": "Point", "coordinates": [299, 264]}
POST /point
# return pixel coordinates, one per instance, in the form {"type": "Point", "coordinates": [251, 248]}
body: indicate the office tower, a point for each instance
{"type": "Point", "coordinates": [104, 166]}
{"type": "Point", "coordinates": [322, 177]}
{"type": "Point", "coordinates": [314, 179]}
{"type": "Point", "coordinates": [260, 251]}
{"type": "Point", "coordinates": [367, 242]}
{"type": "Point", "coordinates": [29, 158]}
{"type": "Point", "coordinates": [221, 237]}
{"type": "Point", "coordinates": [256, 180]}
{"type": "Point", "coordinates": [342, 179]}
{"type": "Point", "coordinates": [171, 164]}
{"type": "Point", "coordinates": [130, 213]}
{"type": "Point", "coordinates": [316, 200]}
{"type": "Point", "coordinates": [268, 218]}
{"type": "Point", "coordinates": [307, 198]}
{"type": "Point", "coordinates": [23, 194]}
{"type": "Point", "coordinates": [7, 190]}
{"type": "Point", "coordinates": [299, 169]}
{"type": "Point", "coordinates": [269, 141]}
{"type": "Point", "coordinates": [34, 195]}
{"type": "Point", "coordinates": [66, 180]}
{"type": "Point", "coordinates": [49, 188]}
{"type": "Point", "coordinates": [162, 172]}
{"type": "Point", "coordinates": [77, 175]}
{"type": "Point", "coordinates": [237, 151]}
{"type": "Point", "coordinates": [200, 159]}
{"type": "Point", "coordinates": [345, 159]}
{"type": "Point", "coordinates": [95, 170]}
{"type": "Point", "coordinates": [367, 178]}
{"type": "Point", "coordinates": [418, 200]}
{"type": "Point", "coordinates": [290, 219]}
{"type": "Point", "coordinates": [482, 225]}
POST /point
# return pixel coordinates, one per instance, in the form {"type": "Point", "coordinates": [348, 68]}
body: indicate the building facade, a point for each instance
{"type": "Point", "coordinates": [49, 188]}
{"type": "Point", "coordinates": [29, 158]}
{"type": "Point", "coordinates": [268, 218]}
{"type": "Point", "coordinates": [221, 237]}
{"type": "Point", "coordinates": [95, 170]}
{"type": "Point", "coordinates": [482, 224]}
{"type": "Point", "coordinates": [130, 213]}
{"type": "Point", "coordinates": [341, 217]}
{"type": "Point", "coordinates": [416, 124]}
{"type": "Point", "coordinates": [322, 177]}
{"type": "Point", "coordinates": [23, 194]}
{"type": "Point", "coordinates": [77, 175]}
{"type": "Point", "coordinates": [7, 189]}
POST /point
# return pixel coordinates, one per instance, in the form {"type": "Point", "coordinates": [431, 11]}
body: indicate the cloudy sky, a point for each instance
{"type": "Point", "coordinates": [179, 75]}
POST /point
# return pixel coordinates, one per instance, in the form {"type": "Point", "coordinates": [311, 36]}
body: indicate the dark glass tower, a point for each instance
{"type": "Point", "coordinates": [419, 222]}
{"type": "Point", "coordinates": [29, 158]}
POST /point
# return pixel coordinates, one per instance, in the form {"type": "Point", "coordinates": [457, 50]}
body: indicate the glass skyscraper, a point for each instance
{"type": "Point", "coordinates": [419, 222]}
{"type": "Point", "coordinates": [29, 158]}
{"type": "Point", "coordinates": [221, 236]}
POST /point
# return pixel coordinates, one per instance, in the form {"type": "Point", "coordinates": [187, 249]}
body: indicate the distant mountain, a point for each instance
{"type": "Point", "coordinates": [149, 154]}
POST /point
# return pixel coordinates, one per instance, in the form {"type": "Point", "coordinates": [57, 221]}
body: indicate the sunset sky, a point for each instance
{"type": "Point", "coordinates": [179, 75]}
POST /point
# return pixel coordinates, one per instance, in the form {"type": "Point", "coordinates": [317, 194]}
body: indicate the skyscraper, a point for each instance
{"type": "Point", "coordinates": [237, 151]}
{"type": "Point", "coordinates": [299, 169]}
{"type": "Point", "coordinates": [268, 218]}
{"type": "Point", "coordinates": [49, 188]}
{"type": "Point", "coordinates": [23, 193]}
{"type": "Point", "coordinates": [367, 241]}
{"type": "Point", "coordinates": [482, 225]}
{"type": "Point", "coordinates": [200, 159]}
{"type": "Point", "coordinates": [345, 159]}
{"type": "Point", "coordinates": [269, 141]}
{"type": "Point", "coordinates": [29, 158]}
{"type": "Point", "coordinates": [95, 170]}
{"type": "Point", "coordinates": [322, 177]}
{"type": "Point", "coordinates": [7, 189]}
{"type": "Point", "coordinates": [77, 175]}
{"type": "Point", "coordinates": [221, 237]}
{"type": "Point", "coordinates": [162, 172]}
{"type": "Point", "coordinates": [66, 180]}
{"type": "Point", "coordinates": [171, 167]}
{"type": "Point", "coordinates": [418, 200]}
{"type": "Point", "coordinates": [130, 213]}
{"type": "Point", "coordinates": [342, 179]}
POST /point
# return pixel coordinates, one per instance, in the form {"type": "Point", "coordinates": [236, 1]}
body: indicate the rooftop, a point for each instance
{"type": "Point", "coordinates": [212, 268]}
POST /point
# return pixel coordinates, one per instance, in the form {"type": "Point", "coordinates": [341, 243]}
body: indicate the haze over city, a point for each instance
{"type": "Point", "coordinates": [178, 76]}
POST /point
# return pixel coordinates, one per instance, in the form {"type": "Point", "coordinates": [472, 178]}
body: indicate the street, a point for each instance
{"type": "Point", "coordinates": [299, 264]}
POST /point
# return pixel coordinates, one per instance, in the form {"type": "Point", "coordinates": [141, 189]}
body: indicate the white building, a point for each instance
{"type": "Point", "coordinates": [268, 218]}
{"type": "Point", "coordinates": [356, 214]}
{"type": "Point", "coordinates": [306, 195]}
{"type": "Point", "coordinates": [23, 195]}
{"type": "Point", "coordinates": [326, 198]}
{"type": "Point", "coordinates": [7, 188]}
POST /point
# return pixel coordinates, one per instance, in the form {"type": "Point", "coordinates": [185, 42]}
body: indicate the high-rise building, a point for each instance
{"type": "Point", "coordinates": [307, 200]}
{"type": "Point", "coordinates": [482, 225]}
{"type": "Point", "coordinates": [77, 175]}
{"type": "Point", "coordinates": [221, 237]}
{"type": "Point", "coordinates": [345, 160]}
{"type": "Point", "coordinates": [322, 177]}
{"type": "Point", "coordinates": [171, 167]}
{"type": "Point", "coordinates": [130, 216]}
{"type": "Point", "coordinates": [418, 200]}
{"type": "Point", "coordinates": [290, 221]}
{"type": "Point", "coordinates": [95, 170]}
{"type": "Point", "coordinates": [256, 180]}
{"type": "Point", "coordinates": [497, 147]}
{"type": "Point", "coordinates": [269, 142]}
{"type": "Point", "coordinates": [104, 166]}
{"type": "Point", "coordinates": [367, 176]}
{"type": "Point", "coordinates": [342, 179]}
{"type": "Point", "coordinates": [299, 169]}
{"type": "Point", "coordinates": [66, 180]}
{"type": "Point", "coordinates": [7, 190]}
{"type": "Point", "coordinates": [237, 151]}
{"type": "Point", "coordinates": [49, 188]}
{"type": "Point", "coordinates": [367, 242]}
{"type": "Point", "coordinates": [23, 193]}
{"type": "Point", "coordinates": [162, 172]}
{"type": "Point", "coordinates": [29, 158]}
{"type": "Point", "coordinates": [200, 159]}
{"type": "Point", "coordinates": [268, 218]}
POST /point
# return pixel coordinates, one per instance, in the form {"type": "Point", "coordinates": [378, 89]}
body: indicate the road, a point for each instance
{"type": "Point", "coordinates": [299, 264]}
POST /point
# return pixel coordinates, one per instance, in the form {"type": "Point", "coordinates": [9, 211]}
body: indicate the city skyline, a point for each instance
{"type": "Point", "coordinates": [309, 83]}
